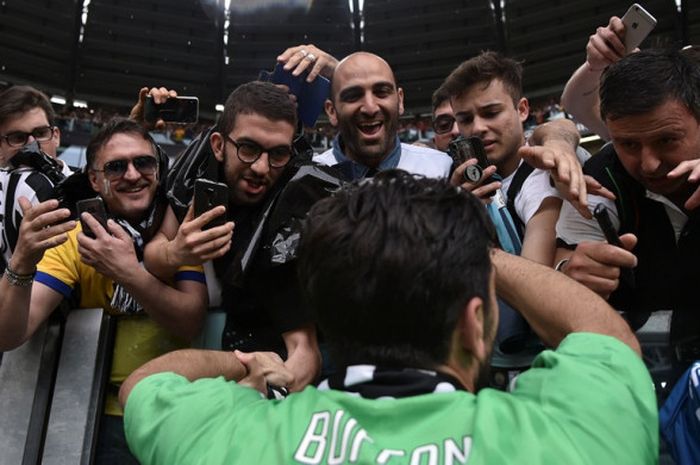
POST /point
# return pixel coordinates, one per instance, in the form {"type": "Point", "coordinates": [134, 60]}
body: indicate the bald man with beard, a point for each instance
{"type": "Point", "coordinates": [365, 105]}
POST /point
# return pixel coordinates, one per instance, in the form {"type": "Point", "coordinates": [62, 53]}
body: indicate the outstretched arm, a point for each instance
{"type": "Point", "coordinates": [254, 370]}
{"type": "Point", "coordinates": [553, 148]}
{"type": "Point", "coordinates": [565, 307]}
{"type": "Point", "coordinates": [580, 96]}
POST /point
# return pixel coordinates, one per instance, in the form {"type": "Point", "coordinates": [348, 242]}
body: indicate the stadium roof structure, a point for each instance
{"type": "Point", "coordinates": [103, 51]}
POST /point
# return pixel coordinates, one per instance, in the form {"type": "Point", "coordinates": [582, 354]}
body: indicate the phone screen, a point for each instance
{"type": "Point", "coordinates": [175, 110]}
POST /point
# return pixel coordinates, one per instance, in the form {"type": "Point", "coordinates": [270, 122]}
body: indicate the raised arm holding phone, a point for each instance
{"type": "Point", "coordinates": [606, 46]}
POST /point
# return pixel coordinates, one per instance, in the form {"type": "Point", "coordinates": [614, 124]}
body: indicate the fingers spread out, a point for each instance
{"type": "Point", "coordinates": [307, 58]}
{"type": "Point", "coordinates": [691, 168]}
{"type": "Point", "coordinates": [30, 211]}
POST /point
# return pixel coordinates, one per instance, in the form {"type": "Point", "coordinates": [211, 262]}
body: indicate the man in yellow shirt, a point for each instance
{"type": "Point", "coordinates": [124, 168]}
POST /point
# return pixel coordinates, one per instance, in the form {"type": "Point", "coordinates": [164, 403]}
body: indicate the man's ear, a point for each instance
{"type": "Point", "coordinates": [216, 140]}
{"type": "Point", "coordinates": [330, 111]}
{"type": "Point", "coordinates": [523, 109]}
{"type": "Point", "coordinates": [92, 177]}
{"type": "Point", "coordinates": [399, 92]}
{"type": "Point", "coordinates": [57, 136]}
{"type": "Point", "coordinates": [471, 329]}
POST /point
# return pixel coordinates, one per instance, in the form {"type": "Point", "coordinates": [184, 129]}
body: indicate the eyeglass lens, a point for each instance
{"type": "Point", "coordinates": [145, 165]}
{"type": "Point", "coordinates": [19, 138]}
{"type": "Point", "coordinates": [443, 124]}
{"type": "Point", "coordinates": [249, 152]}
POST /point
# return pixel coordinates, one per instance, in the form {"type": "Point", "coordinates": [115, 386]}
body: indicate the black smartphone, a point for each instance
{"type": "Point", "coordinates": [174, 110]}
{"type": "Point", "coordinates": [207, 195]}
{"type": "Point", "coordinates": [600, 213]}
{"type": "Point", "coordinates": [96, 208]}
{"type": "Point", "coordinates": [462, 149]}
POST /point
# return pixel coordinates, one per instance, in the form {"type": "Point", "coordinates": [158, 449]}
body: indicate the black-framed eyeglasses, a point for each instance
{"type": "Point", "coordinates": [248, 152]}
{"type": "Point", "coordinates": [20, 138]}
{"type": "Point", "coordinates": [144, 164]}
{"type": "Point", "coordinates": [443, 124]}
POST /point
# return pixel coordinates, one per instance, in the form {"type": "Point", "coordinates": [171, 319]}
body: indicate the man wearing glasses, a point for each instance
{"type": "Point", "coordinates": [444, 124]}
{"type": "Point", "coordinates": [250, 146]}
{"type": "Point", "coordinates": [26, 116]}
{"type": "Point", "coordinates": [55, 259]}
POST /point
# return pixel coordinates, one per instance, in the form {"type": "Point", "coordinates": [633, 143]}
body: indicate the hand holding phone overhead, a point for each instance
{"type": "Point", "coordinates": [638, 24]}
{"type": "Point", "coordinates": [180, 109]}
{"type": "Point", "coordinates": [310, 95]}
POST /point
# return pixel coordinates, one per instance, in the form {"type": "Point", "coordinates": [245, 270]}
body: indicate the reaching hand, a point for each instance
{"type": "Point", "coordinates": [690, 168]}
{"type": "Point", "coordinates": [43, 227]}
{"type": "Point", "coordinates": [299, 58]}
{"type": "Point", "coordinates": [566, 172]}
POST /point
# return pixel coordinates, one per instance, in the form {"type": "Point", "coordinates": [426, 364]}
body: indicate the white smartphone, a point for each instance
{"type": "Point", "coordinates": [638, 24]}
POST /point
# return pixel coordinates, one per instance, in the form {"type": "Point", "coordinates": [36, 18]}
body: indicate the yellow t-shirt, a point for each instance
{"type": "Point", "coordinates": [138, 338]}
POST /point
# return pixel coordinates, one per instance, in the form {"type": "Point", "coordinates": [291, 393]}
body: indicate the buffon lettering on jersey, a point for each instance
{"type": "Point", "coordinates": [337, 438]}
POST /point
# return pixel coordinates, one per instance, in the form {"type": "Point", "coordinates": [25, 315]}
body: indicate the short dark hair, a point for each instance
{"type": "Point", "coordinates": [21, 99]}
{"type": "Point", "coordinates": [482, 69]}
{"type": "Point", "coordinates": [387, 266]}
{"type": "Point", "coordinates": [644, 80]}
{"type": "Point", "coordinates": [440, 96]}
{"type": "Point", "coordinates": [262, 98]}
{"type": "Point", "coordinates": [110, 129]}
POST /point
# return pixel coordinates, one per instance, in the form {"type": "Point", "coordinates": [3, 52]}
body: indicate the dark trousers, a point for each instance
{"type": "Point", "coordinates": [112, 448]}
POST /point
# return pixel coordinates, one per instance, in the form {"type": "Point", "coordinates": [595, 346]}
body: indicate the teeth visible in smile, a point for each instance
{"type": "Point", "coordinates": [370, 125]}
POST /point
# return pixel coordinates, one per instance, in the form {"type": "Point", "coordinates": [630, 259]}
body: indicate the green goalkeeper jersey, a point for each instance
{"type": "Point", "coordinates": [591, 401]}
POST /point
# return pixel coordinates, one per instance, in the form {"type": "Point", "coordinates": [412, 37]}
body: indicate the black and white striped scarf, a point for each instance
{"type": "Point", "coordinates": [372, 382]}
{"type": "Point", "coordinates": [122, 301]}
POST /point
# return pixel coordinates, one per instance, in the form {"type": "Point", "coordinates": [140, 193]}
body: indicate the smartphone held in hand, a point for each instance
{"type": "Point", "coordinates": [96, 208]}
{"type": "Point", "coordinates": [638, 24]}
{"type": "Point", "coordinates": [207, 195]}
{"type": "Point", "coordinates": [174, 110]}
